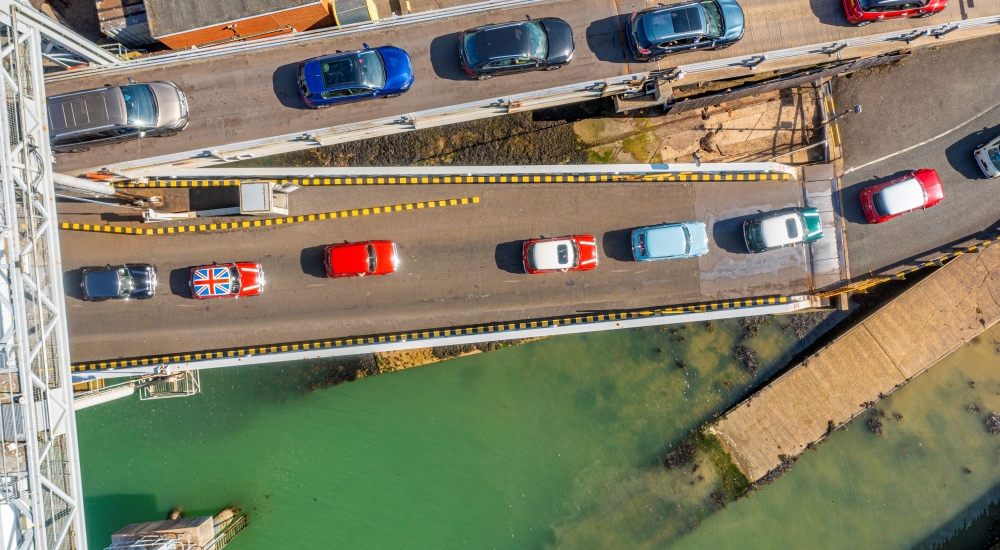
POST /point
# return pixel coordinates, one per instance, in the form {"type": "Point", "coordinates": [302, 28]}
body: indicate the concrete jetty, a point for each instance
{"type": "Point", "coordinates": [896, 343]}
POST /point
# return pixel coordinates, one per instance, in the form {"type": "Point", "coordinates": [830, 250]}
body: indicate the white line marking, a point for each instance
{"type": "Point", "coordinates": [925, 142]}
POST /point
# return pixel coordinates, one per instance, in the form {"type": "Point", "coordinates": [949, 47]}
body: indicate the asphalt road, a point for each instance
{"type": "Point", "coordinates": [251, 96]}
{"type": "Point", "coordinates": [942, 104]}
{"type": "Point", "coordinates": [459, 265]}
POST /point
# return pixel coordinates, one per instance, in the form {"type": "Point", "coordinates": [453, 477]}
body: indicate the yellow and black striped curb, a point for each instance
{"type": "Point", "coordinates": [428, 335]}
{"type": "Point", "coordinates": [467, 179]}
{"type": "Point", "coordinates": [863, 285]}
{"type": "Point", "coordinates": [270, 222]}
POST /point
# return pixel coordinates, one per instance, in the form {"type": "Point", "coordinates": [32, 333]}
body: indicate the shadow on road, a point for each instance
{"type": "Point", "coordinates": [728, 234]}
{"type": "Point", "coordinates": [959, 154]}
{"type": "Point", "coordinates": [508, 257]}
{"type": "Point", "coordinates": [617, 245]}
{"type": "Point", "coordinates": [284, 81]}
{"type": "Point", "coordinates": [444, 57]}
{"type": "Point", "coordinates": [311, 260]}
{"type": "Point", "coordinates": [179, 282]}
{"type": "Point", "coordinates": [829, 13]}
{"type": "Point", "coordinates": [851, 208]}
{"type": "Point", "coordinates": [604, 38]}
{"type": "Point", "coordinates": [71, 283]}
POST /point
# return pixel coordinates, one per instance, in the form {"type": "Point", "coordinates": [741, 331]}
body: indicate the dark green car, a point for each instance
{"type": "Point", "coordinates": [781, 229]}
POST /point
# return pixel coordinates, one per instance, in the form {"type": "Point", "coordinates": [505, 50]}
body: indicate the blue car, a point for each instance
{"type": "Point", "coordinates": [668, 241]}
{"type": "Point", "coordinates": [351, 76]}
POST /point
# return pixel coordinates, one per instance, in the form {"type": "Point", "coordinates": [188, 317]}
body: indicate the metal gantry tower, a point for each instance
{"type": "Point", "coordinates": [41, 505]}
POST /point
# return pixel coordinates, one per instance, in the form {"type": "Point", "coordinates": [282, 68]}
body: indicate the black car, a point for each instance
{"type": "Point", "coordinates": [516, 47]}
{"type": "Point", "coordinates": [120, 282]}
{"type": "Point", "coordinates": [675, 28]}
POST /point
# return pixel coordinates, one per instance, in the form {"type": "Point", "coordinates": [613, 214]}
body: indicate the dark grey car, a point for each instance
{"type": "Point", "coordinates": [79, 120]}
{"type": "Point", "coordinates": [516, 47]}
{"type": "Point", "coordinates": [121, 282]}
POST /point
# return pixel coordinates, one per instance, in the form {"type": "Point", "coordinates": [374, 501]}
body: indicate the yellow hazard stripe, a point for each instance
{"type": "Point", "coordinates": [512, 326]}
{"type": "Point", "coordinates": [268, 222]}
{"type": "Point", "coordinates": [469, 179]}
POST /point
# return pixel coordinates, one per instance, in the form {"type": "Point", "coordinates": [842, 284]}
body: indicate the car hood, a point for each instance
{"type": "Point", "coordinates": [171, 108]}
{"type": "Point", "coordinates": [561, 43]}
{"type": "Point", "coordinates": [251, 278]}
{"type": "Point", "coordinates": [398, 69]}
{"type": "Point", "coordinates": [732, 14]}
{"type": "Point", "coordinates": [385, 252]}
{"type": "Point", "coordinates": [699, 238]}
{"type": "Point", "coordinates": [143, 281]}
{"type": "Point", "coordinates": [349, 259]}
{"type": "Point", "coordinates": [102, 284]}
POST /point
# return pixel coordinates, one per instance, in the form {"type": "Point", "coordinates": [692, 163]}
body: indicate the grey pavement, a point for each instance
{"type": "Point", "coordinates": [253, 96]}
{"type": "Point", "coordinates": [459, 265]}
{"type": "Point", "coordinates": [953, 89]}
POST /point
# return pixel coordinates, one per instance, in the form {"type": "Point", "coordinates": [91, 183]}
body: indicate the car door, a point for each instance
{"type": "Point", "coordinates": [522, 64]}
{"type": "Point", "coordinates": [500, 66]}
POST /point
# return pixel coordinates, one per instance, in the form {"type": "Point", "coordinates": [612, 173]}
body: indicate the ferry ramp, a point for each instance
{"type": "Point", "coordinates": [924, 324]}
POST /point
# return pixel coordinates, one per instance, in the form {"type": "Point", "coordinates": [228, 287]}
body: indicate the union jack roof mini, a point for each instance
{"type": "Point", "coordinates": [212, 281]}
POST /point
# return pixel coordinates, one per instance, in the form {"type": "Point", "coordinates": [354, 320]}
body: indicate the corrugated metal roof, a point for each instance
{"type": "Point", "coordinates": [168, 17]}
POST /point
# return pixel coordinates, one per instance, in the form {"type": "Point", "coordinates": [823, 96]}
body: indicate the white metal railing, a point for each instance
{"type": "Point", "coordinates": [40, 463]}
{"type": "Point", "coordinates": [550, 97]}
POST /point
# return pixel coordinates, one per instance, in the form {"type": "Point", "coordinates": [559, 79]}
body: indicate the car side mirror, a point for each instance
{"type": "Point", "coordinates": [365, 44]}
{"type": "Point", "coordinates": [528, 17]}
{"type": "Point", "coordinates": [131, 80]}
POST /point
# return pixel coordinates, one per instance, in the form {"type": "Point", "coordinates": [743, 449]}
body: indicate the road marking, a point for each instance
{"type": "Point", "coordinates": [922, 143]}
{"type": "Point", "coordinates": [269, 222]}
{"type": "Point", "coordinates": [468, 179]}
{"type": "Point", "coordinates": [429, 334]}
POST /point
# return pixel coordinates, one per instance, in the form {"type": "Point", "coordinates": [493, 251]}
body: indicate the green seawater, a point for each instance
{"type": "Point", "coordinates": [552, 444]}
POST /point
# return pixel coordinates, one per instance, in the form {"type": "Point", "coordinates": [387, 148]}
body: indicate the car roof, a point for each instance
{"type": "Point", "coordinates": [674, 21]}
{"type": "Point", "coordinates": [666, 240]}
{"type": "Point", "coordinates": [501, 41]}
{"type": "Point", "coordinates": [545, 254]}
{"type": "Point", "coordinates": [349, 258]}
{"type": "Point", "coordinates": [103, 284]}
{"type": "Point", "coordinates": [903, 196]}
{"type": "Point", "coordinates": [86, 111]}
{"type": "Point", "coordinates": [782, 230]}
{"type": "Point", "coordinates": [212, 280]}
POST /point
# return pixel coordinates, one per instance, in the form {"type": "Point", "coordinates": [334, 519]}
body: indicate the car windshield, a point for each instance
{"type": "Point", "coordinates": [878, 201]}
{"type": "Point", "coordinates": [687, 239]}
{"type": "Point", "coordinates": [891, 5]}
{"type": "Point", "coordinates": [372, 259]}
{"type": "Point", "coordinates": [125, 282]}
{"type": "Point", "coordinates": [713, 18]}
{"type": "Point", "coordinates": [994, 154]}
{"type": "Point", "coordinates": [372, 69]}
{"type": "Point", "coordinates": [234, 275]}
{"type": "Point", "coordinates": [539, 40]}
{"type": "Point", "coordinates": [140, 106]}
{"type": "Point", "coordinates": [470, 49]}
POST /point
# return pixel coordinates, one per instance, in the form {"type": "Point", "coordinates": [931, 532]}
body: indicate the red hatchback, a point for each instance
{"type": "Point", "coordinates": [233, 280]}
{"type": "Point", "coordinates": [360, 259]}
{"type": "Point", "coordinates": [560, 254]}
{"type": "Point", "coordinates": [885, 201]}
{"type": "Point", "coordinates": [863, 12]}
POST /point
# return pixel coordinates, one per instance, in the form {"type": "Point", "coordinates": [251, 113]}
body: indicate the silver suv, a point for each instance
{"type": "Point", "coordinates": [79, 120]}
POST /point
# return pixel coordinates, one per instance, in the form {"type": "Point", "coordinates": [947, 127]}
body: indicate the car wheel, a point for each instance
{"type": "Point", "coordinates": [167, 135]}
{"type": "Point", "coordinates": [553, 67]}
{"type": "Point", "coordinates": [862, 23]}
{"type": "Point", "coordinates": [392, 95]}
{"type": "Point", "coordinates": [484, 77]}
{"type": "Point", "coordinates": [925, 15]}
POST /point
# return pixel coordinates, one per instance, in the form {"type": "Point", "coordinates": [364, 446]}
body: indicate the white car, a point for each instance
{"type": "Point", "coordinates": [988, 158]}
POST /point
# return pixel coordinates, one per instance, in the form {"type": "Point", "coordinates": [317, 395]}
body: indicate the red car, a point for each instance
{"type": "Point", "coordinates": [360, 259]}
{"type": "Point", "coordinates": [885, 201]}
{"type": "Point", "coordinates": [231, 280]}
{"type": "Point", "coordinates": [863, 12]}
{"type": "Point", "coordinates": [560, 254]}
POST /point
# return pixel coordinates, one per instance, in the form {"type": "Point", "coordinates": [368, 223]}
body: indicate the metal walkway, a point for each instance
{"type": "Point", "coordinates": [39, 463]}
